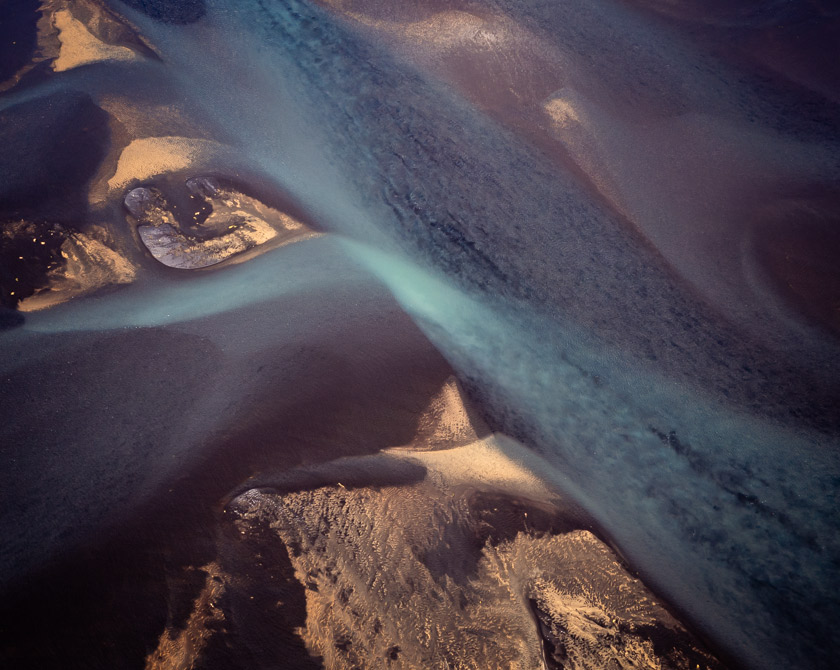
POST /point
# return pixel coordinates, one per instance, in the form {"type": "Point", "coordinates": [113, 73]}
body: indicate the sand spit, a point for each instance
{"type": "Point", "coordinates": [80, 47]}
{"type": "Point", "coordinates": [447, 422]}
{"type": "Point", "coordinates": [149, 157]}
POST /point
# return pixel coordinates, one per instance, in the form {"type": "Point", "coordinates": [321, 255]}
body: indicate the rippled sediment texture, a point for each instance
{"type": "Point", "coordinates": [460, 317]}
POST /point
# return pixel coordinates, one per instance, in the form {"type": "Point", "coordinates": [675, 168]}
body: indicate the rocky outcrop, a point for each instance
{"type": "Point", "coordinates": [215, 222]}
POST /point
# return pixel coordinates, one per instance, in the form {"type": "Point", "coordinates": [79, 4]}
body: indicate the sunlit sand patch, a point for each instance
{"type": "Point", "coordinates": [371, 601]}
{"type": "Point", "coordinates": [177, 650]}
{"type": "Point", "coordinates": [574, 120]}
{"type": "Point", "coordinates": [411, 576]}
{"type": "Point", "coordinates": [561, 112]}
{"type": "Point", "coordinates": [71, 33]}
{"type": "Point", "coordinates": [149, 157]}
{"type": "Point", "coordinates": [147, 137]}
{"type": "Point", "coordinates": [80, 47]}
{"type": "Point", "coordinates": [495, 463]}
{"type": "Point", "coordinates": [445, 422]}
{"type": "Point", "coordinates": [454, 27]}
{"type": "Point", "coordinates": [442, 29]}
{"type": "Point", "coordinates": [88, 264]}
{"type": "Point", "coordinates": [591, 612]}
{"type": "Point", "coordinates": [573, 123]}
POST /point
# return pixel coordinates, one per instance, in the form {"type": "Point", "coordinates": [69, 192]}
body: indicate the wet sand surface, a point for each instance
{"type": "Point", "coordinates": [448, 334]}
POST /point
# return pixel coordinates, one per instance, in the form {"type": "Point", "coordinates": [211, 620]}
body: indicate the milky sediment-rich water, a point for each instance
{"type": "Point", "coordinates": [245, 240]}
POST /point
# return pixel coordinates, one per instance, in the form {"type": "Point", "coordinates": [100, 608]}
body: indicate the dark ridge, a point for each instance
{"type": "Point", "coordinates": [103, 605]}
{"type": "Point", "coordinates": [554, 651]}
{"type": "Point", "coordinates": [351, 473]}
{"type": "Point", "coordinates": [264, 605]}
{"type": "Point", "coordinates": [177, 12]}
{"type": "Point", "coordinates": [184, 587]}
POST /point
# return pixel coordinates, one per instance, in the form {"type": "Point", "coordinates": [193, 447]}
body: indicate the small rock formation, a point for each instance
{"type": "Point", "coordinates": [222, 223]}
